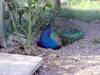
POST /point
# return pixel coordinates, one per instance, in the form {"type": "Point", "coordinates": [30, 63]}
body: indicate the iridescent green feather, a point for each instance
{"type": "Point", "coordinates": [55, 36]}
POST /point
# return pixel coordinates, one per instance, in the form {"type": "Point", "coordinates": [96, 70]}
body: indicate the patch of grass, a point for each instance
{"type": "Point", "coordinates": [87, 11]}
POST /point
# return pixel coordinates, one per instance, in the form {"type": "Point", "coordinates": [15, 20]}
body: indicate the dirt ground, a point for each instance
{"type": "Point", "coordinates": [80, 58]}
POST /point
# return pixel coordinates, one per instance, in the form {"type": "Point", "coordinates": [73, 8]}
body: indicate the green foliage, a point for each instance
{"type": "Point", "coordinates": [27, 17]}
{"type": "Point", "coordinates": [83, 10]}
{"type": "Point", "coordinates": [73, 2]}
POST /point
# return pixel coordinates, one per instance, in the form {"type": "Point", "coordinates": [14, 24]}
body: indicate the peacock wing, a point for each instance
{"type": "Point", "coordinates": [54, 36]}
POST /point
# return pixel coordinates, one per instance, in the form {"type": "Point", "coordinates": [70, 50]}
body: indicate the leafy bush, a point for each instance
{"type": "Point", "coordinates": [28, 16]}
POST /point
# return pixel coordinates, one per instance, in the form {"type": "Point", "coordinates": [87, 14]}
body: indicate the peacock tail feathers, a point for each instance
{"type": "Point", "coordinates": [71, 36]}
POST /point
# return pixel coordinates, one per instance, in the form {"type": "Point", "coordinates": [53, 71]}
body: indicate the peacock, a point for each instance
{"type": "Point", "coordinates": [53, 40]}
{"type": "Point", "coordinates": [49, 39]}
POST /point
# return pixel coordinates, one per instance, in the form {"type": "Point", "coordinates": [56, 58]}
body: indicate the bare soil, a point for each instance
{"type": "Point", "coordinates": [80, 58]}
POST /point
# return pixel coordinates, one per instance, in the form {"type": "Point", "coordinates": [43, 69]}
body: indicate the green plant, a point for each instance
{"type": "Point", "coordinates": [83, 10]}
{"type": "Point", "coordinates": [27, 17]}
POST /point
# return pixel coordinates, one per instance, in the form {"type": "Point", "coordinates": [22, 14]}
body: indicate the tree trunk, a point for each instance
{"type": "Point", "coordinates": [1, 24]}
{"type": "Point", "coordinates": [57, 3]}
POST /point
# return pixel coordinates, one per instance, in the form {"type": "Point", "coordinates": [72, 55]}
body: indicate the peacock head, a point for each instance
{"type": "Point", "coordinates": [47, 29]}
{"type": "Point", "coordinates": [48, 25]}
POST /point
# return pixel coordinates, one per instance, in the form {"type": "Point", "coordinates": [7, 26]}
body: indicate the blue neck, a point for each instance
{"type": "Point", "coordinates": [47, 30]}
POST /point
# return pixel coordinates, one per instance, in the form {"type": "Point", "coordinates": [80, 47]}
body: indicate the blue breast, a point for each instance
{"type": "Point", "coordinates": [45, 40]}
